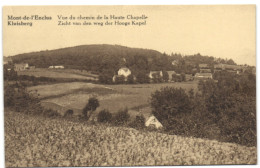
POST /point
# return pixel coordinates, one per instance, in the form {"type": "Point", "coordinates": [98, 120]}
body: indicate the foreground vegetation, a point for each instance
{"type": "Point", "coordinates": [222, 109]}
{"type": "Point", "coordinates": [34, 141]}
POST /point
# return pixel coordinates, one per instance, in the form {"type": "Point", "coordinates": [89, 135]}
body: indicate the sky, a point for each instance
{"type": "Point", "coordinates": [224, 31]}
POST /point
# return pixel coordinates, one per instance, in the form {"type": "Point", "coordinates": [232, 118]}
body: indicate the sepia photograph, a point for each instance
{"type": "Point", "coordinates": [129, 85]}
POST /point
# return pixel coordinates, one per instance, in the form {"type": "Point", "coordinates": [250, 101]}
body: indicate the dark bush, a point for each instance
{"type": "Point", "coordinates": [104, 116]}
{"type": "Point", "coordinates": [51, 113]}
{"type": "Point", "coordinates": [142, 77]}
{"type": "Point", "coordinates": [165, 76]}
{"type": "Point", "coordinates": [138, 123]}
{"type": "Point", "coordinates": [120, 79]}
{"type": "Point", "coordinates": [131, 79]}
{"type": "Point", "coordinates": [68, 113]}
{"type": "Point", "coordinates": [90, 107]}
{"type": "Point", "coordinates": [121, 117]}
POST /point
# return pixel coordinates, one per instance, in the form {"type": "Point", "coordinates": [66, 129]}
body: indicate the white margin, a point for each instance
{"type": "Point", "coordinates": [120, 2]}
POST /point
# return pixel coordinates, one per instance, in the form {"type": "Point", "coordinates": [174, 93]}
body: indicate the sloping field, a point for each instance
{"type": "Point", "coordinates": [56, 73]}
{"type": "Point", "coordinates": [43, 142]}
{"type": "Point", "coordinates": [112, 97]}
{"type": "Point", "coordinates": [61, 89]}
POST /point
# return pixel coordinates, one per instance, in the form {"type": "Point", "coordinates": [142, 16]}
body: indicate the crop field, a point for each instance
{"type": "Point", "coordinates": [32, 141]}
{"type": "Point", "coordinates": [75, 95]}
{"type": "Point", "coordinates": [59, 73]}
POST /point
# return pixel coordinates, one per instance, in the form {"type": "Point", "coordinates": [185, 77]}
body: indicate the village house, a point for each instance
{"type": "Point", "coordinates": [203, 76]}
{"type": "Point", "coordinates": [175, 62]}
{"type": "Point", "coordinates": [189, 77]}
{"type": "Point", "coordinates": [154, 73]}
{"type": "Point", "coordinates": [229, 68]}
{"type": "Point", "coordinates": [124, 71]}
{"type": "Point", "coordinates": [21, 67]}
{"type": "Point", "coordinates": [153, 122]}
{"type": "Point", "coordinates": [56, 67]}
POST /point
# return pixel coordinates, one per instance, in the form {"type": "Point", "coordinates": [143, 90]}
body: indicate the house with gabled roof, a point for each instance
{"type": "Point", "coordinates": [152, 121]}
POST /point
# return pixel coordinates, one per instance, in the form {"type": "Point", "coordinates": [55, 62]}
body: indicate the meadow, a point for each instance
{"type": "Point", "coordinates": [75, 95]}
{"type": "Point", "coordinates": [34, 141]}
{"type": "Point", "coordinates": [59, 73]}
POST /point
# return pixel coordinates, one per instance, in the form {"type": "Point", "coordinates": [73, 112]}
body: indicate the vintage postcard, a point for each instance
{"type": "Point", "coordinates": [129, 85]}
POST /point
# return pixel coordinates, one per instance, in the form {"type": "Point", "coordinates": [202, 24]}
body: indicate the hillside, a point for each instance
{"type": "Point", "coordinates": [39, 142]}
{"type": "Point", "coordinates": [89, 57]}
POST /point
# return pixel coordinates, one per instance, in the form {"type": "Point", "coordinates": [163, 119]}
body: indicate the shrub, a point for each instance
{"type": "Point", "coordinates": [51, 113]}
{"type": "Point", "coordinates": [104, 116]}
{"type": "Point", "coordinates": [131, 79]}
{"type": "Point", "coordinates": [121, 117]}
{"type": "Point", "coordinates": [9, 93]}
{"type": "Point", "coordinates": [165, 76]}
{"type": "Point", "coordinates": [68, 113]}
{"type": "Point", "coordinates": [142, 77]}
{"type": "Point", "coordinates": [90, 107]}
{"type": "Point", "coordinates": [138, 123]}
{"type": "Point", "coordinates": [120, 79]}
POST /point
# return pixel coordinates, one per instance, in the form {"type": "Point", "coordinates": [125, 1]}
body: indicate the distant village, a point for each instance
{"type": "Point", "coordinates": [204, 71]}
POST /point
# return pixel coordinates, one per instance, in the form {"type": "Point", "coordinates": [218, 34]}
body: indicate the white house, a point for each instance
{"type": "Point", "coordinates": [124, 72]}
{"type": "Point", "coordinates": [155, 72]}
{"type": "Point", "coordinates": [21, 67]}
{"type": "Point", "coordinates": [152, 121]}
{"type": "Point", "coordinates": [56, 67]}
{"type": "Point", "coordinates": [203, 76]}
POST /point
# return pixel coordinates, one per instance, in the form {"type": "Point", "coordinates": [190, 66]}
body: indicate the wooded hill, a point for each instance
{"type": "Point", "coordinates": [109, 58]}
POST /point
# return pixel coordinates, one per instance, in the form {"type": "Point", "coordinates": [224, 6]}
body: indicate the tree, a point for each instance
{"type": "Point", "coordinates": [169, 102]}
{"type": "Point", "coordinates": [142, 77]}
{"type": "Point", "coordinates": [121, 117]}
{"type": "Point", "coordinates": [131, 79]}
{"type": "Point", "coordinates": [120, 79]}
{"type": "Point", "coordinates": [157, 77]}
{"type": "Point", "coordinates": [165, 76]}
{"type": "Point", "coordinates": [104, 116]}
{"type": "Point", "coordinates": [105, 78]}
{"type": "Point", "coordinates": [91, 106]}
{"type": "Point", "coordinates": [138, 123]}
{"type": "Point", "coordinates": [68, 113]}
{"type": "Point", "coordinates": [183, 77]}
{"type": "Point", "coordinates": [176, 78]}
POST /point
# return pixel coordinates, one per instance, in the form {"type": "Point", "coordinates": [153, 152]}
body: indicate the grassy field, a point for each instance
{"type": "Point", "coordinates": [32, 141]}
{"type": "Point", "coordinates": [59, 73]}
{"type": "Point", "coordinates": [112, 97]}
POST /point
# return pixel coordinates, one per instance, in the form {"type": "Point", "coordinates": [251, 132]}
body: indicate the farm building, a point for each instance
{"type": "Point", "coordinates": [152, 121]}
{"type": "Point", "coordinates": [154, 73]}
{"type": "Point", "coordinates": [124, 72]}
{"type": "Point", "coordinates": [189, 77]}
{"type": "Point", "coordinates": [175, 62]}
{"type": "Point", "coordinates": [21, 67]}
{"type": "Point", "coordinates": [203, 76]}
{"type": "Point", "coordinates": [230, 68]}
{"type": "Point", "coordinates": [56, 67]}
{"type": "Point", "coordinates": [170, 73]}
